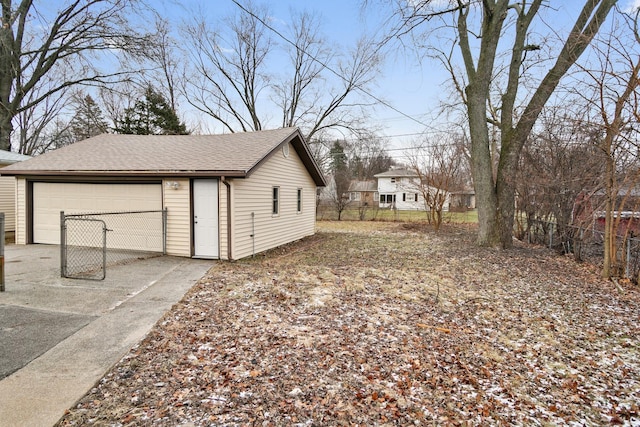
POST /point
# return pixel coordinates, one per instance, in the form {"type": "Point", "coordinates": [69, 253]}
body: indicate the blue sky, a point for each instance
{"type": "Point", "coordinates": [411, 87]}
{"type": "Point", "coordinates": [402, 83]}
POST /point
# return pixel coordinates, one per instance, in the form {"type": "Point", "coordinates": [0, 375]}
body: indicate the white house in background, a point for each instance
{"type": "Point", "coordinates": [8, 189]}
{"type": "Point", "coordinates": [401, 189]}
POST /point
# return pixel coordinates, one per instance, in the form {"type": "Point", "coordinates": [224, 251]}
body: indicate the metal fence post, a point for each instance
{"type": "Point", "coordinates": [1, 251]}
{"type": "Point", "coordinates": [63, 236]}
{"type": "Point", "coordinates": [627, 268]}
{"type": "Point", "coordinates": [104, 249]}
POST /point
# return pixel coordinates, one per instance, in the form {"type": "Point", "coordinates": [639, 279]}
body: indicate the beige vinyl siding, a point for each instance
{"type": "Point", "coordinates": [178, 204]}
{"type": "Point", "coordinates": [223, 221]}
{"type": "Point", "coordinates": [8, 201]}
{"type": "Point", "coordinates": [254, 194]}
{"type": "Point", "coordinates": [21, 211]}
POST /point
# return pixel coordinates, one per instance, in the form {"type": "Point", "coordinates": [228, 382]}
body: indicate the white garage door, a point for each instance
{"type": "Point", "coordinates": [51, 198]}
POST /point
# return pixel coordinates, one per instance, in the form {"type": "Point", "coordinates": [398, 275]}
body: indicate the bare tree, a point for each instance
{"type": "Point", "coordinates": [167, 75]}
{"type": "Point", "coordinates": [559, 166]}
{"type": "Point", "coordinates": [497, 23]}
{"type": "Point", "coordinates": [117, 98]}
{"type": "Point", "coordinates": [309, 55]}
{"type": "Point", "coordinates": [368, 157]}
{"type": "Point", "coordinates": [231, 69]}
{"type": "Point", "coordinates": [63, 47]}
{"type": "Point", "coordinates": [39, 128]}
{"type": "Point", "coordinates": [338, 109]}
{"type": "Point", "coordinates": [317, 90]}
{"type": "Point", "coordinates": [438, 167]}
{"type": "Point", "coordinates": [615, 97]}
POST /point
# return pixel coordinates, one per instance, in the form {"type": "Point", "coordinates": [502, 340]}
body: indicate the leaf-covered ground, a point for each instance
{"type": "Point", "coordinates": [385, 324]}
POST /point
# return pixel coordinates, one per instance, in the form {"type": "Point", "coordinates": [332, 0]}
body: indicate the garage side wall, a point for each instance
{"type": "Point", "coordinates": [223, 231]}
{"type": "Point", "coordinates": [255, 195]}
{"type": "Point", "coordinates": [8, 201]}
{"type": "Point", "coordinates": [178, 204]}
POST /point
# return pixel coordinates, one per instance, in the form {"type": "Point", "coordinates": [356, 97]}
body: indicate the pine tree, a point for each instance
{"type": "Point", "coordinates": [88, 120]}
{"type": "Point", "coordinates": [151, 116]}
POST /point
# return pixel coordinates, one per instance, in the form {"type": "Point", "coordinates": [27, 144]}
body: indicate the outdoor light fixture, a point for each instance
{"type": "Point", "coordinates": [174, 185]}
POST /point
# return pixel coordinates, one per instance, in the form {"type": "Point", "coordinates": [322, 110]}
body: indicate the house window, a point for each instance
{"type": "Point", "coordinates": [299, 200]}
{"type": "Point", "coordinates": [415, 197]}
{"type": "Point", "coordinates": [387, 198]}
{"type": "Point", "coordinates": [404, 197]}
{"type": "Point", "coordinates": [354, 196]}
{"type": "Point", "coordinates": [393, 180]}
{"type": "Point", "coordinates": [276, 201]}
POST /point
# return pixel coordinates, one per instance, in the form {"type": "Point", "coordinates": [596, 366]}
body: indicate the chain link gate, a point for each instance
{"type": "Point", "coordinates": [89, 242]}
{"type": "Point", "coordinates": [83, 248]}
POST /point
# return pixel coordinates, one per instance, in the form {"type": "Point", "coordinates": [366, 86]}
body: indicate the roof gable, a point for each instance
{"type": "Point", "coordinates": [233, 155]}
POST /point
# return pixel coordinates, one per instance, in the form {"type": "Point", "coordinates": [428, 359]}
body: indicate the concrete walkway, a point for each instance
{"type": "Point", "coordinates": [60, 336]}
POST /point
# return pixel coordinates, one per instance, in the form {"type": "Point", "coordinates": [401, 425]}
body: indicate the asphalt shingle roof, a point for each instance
{"type": "Point", "coordinates": [360, 186]}
{"type": "Point", "coordinates": [9, 157]}
{"type": "Point", "coordinates": [235, 154]}
{"type": "Point", "coordinates": [398, 173]}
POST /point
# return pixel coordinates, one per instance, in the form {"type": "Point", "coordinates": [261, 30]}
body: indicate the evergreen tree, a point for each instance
{"type": "Point", "coordinates": [151, 116]}
{"type": "Point", "coordinates": [88, 120]}
{"type": "Point", "coordinates": [341, 177]}
{"type": "Point", "coordinates": [338, 157]}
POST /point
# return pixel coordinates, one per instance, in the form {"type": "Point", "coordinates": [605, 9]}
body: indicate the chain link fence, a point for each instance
{"type": "Point", "coordinates": [92, 241]}
{"type": "Point", "coordinates": [587, 244]}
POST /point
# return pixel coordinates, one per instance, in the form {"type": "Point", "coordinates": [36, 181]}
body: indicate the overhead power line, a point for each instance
{"type": "Point", "coordinates": [369, 94]}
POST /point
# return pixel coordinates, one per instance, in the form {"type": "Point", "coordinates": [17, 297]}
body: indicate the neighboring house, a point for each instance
{"type": "Point", "coordinates": [326, 196]}
{"type": "Point", "coordinates": [402, 189]}
{"type": "Point", "coordinates": [399, 189]}
{"type": "Point", "coordinates": [463, 200]}
{"type": "Point", "coordinates": [588, 210]}
{"type": "Point", "coordinates": [227, 196]}
{"type": "Point", "coordinates": [8, 189]}
{"type": "Point", "coordinates": [363, 193]}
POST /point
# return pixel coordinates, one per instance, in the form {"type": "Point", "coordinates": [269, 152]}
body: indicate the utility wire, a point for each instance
{"type": "Point", "coordinates": [283, 37]}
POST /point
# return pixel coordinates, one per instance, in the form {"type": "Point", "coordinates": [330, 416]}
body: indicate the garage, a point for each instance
{"type": "Point", "coordinates": [214, 193]}
{"type": "Point", "coordinates": [49, 198]}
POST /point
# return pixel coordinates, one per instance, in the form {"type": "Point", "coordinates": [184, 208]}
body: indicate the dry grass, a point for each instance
{"type": "Point", "coordinates": [370, 323]}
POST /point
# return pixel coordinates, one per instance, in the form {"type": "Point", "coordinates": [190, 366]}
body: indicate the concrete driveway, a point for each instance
{"type": "Point", "coordinates": [59, 336]}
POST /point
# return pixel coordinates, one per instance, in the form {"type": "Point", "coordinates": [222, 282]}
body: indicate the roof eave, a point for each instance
{"type": "Point", "coordinates": [155, 174]}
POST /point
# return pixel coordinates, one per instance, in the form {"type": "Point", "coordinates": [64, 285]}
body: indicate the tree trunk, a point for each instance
{"type": "Point", "coordinates": [482, 170]}
{"type": "Point", "coordinates": [505, 189]}
{"type": "Point", "coordinates": [6, 128]}
{"type": "Point", "coordinates": [496, 197]}
{"type": "Point", "coordinates": [609, 260]}
{"type": "Point", "coordinates": [478, 92]}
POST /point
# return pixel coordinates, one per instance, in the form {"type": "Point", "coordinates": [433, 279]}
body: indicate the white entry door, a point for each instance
{"type": "Point", "coordinates": [205, 218]}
